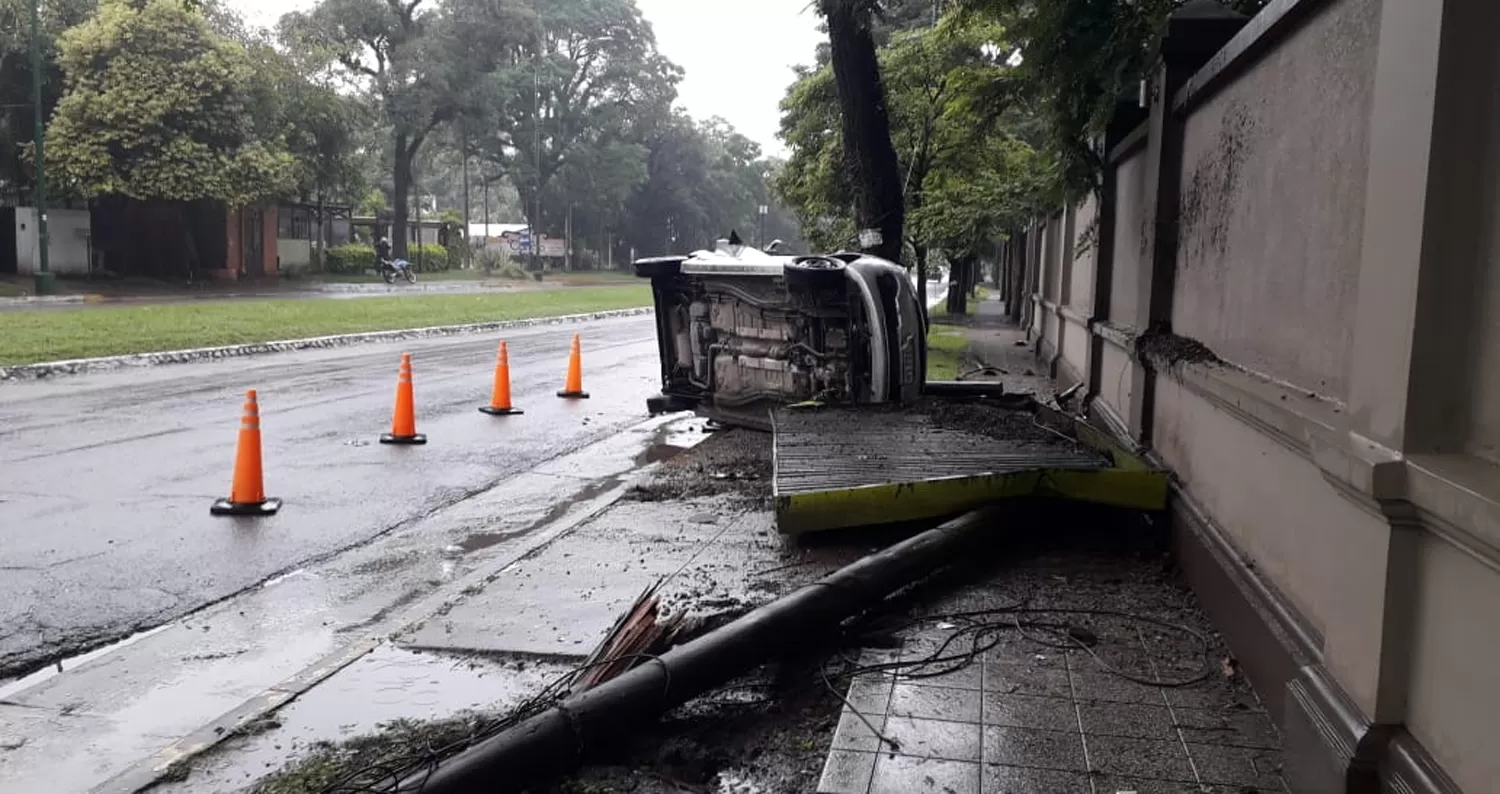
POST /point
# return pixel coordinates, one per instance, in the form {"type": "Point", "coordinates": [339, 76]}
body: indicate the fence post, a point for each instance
{"type": "Point", "coordinates": [1194, 34]}
{"type": "Point", "coordinates": [1127, 116]}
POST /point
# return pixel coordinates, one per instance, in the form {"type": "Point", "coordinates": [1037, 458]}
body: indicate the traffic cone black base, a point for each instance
{"type": "Point", "coordinates": [501, 411]}
{"type": "Point", "coordinates": [224, 507]}
{"type": "Point", "coordinates": [573, 395]}
{"type": "Point", "coordinates": [410, 441]}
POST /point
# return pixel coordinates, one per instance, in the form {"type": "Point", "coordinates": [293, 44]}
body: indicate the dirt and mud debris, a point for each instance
{"type": "Point", "coordinates": [1165, 351]}
{"type": "Point", "coordinates": [1208, 202]}
{"type": "Point", "coordinates": [356, 764]}
{"type": "Point", "coordinates": [735, 461]}
{"type": "Point", "coordinates": [766, 734]}
{"type": "Point", "coordinates": [928, 428]}
{"type": "Point", "coordinates": [983, 419]}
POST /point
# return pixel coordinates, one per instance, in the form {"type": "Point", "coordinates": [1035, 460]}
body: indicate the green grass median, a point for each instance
{"type": "Point", "coordinates": [945, 351]}
{"type": "Point", "coordinates": [28, 337]}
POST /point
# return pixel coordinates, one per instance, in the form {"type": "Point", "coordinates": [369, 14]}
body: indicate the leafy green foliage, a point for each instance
{"type": "Point", "coordinates": [969, 174]}
{"type": "Point", "coordinates": [17, 120]}
{"type": "Point", "coordinates": [419, 63]}
{"type": "Point", "coordinates": [568, 114]}
{"type": "Point", "coordinates": [815, 182]}
{"type": "Point", "coordinates": [156, 107]}
{"type": "Point", "coordinates": [429, 257]}
{"type": "Point", "coordinates": [1079, 58]}
{"type": "Point", "coordinates": [348, 259]}
{"type": "Point", "coordinates": [704, 181]}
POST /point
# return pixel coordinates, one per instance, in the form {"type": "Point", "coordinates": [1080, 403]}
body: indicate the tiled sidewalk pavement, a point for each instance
{"type": "Point", "coordinates": [1034, 719]}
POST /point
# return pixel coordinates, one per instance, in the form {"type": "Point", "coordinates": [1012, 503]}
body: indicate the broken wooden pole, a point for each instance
{"type": "Point", "coordinates": [553, 742]}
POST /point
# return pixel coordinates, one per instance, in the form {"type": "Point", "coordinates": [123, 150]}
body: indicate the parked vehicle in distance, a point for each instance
{"type": "Point", "coordinates": [741, 331]}
{"type": "Point", "coordinates": [391, 269]}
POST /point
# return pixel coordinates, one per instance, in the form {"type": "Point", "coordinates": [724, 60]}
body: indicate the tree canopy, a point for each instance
{"type": "Point", "coordinates": [156, 107]}
{"type": "Point", "coordinates": [559, 114]}
{"type": "Point", "coordinates": [968, 172]}
{"type": "Point", "coordinates": [1079, 58]}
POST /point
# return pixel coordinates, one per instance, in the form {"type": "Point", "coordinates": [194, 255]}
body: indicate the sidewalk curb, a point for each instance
{"type": "Point", "coordinates": [79, 366]}
{"type": "Point", "coordinates": [150, 770]}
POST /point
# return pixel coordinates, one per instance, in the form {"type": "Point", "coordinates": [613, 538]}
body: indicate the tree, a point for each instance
{"type": "Point", "coordinates": [1080, 58]}
{"type": "Point", "coordinates": [17, 118]}
{"type": "Point", "coordinates": [155, 108]}
{"type": "Point", "coordinates": [814, 181]}
{"type": "Point", "coordinates": [584, 82]}
{"type": "Point", "coordinates": [414, 59]}
{"type": "Point", "coordinates": [868, 151]}
{"type": "Point", "coordinates": [944, 136]}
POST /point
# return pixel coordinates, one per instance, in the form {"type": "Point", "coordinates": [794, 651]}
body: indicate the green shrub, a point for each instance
{"type": "Point", "coordinates": [354, 258]}
{"type": "Point", "coordinates": [428, 257]}
{"type": "Point", "coordinates": [512, 270]}
{"type": "Point", "coordinates": [490, 259]}
{"type": "Point", "coordinates": [458, 249]}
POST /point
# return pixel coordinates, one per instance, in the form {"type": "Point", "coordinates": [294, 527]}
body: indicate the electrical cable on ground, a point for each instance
{"type": "Point", "coordinates": [981, 636]}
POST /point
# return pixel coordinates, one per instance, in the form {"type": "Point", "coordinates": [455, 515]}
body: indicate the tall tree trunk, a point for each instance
{"type": "Point", "coordinates": [1019, 261]}
{"type": "Point", "coordinates": [958, 285]}
{"type": "Point", "coordinates": [867, 127]}
{"type": "Point", "coordinates": [401, 201]}
{"type": "Point", "coordinates": [468, 249]}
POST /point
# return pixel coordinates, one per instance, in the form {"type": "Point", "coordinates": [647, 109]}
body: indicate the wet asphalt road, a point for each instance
{"type": "Point", "coordinates": [104, 523]}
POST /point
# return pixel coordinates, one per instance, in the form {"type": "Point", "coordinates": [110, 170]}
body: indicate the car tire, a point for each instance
{"type": "Point", "coordinates": [658, 267]}
{"type": "Point", "coordinates": [814, 273]}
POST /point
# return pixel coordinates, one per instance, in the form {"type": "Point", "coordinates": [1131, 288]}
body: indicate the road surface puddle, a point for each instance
{"type": "Point", "coordinates": [12, 687]}
{"type": "Point", "coordinates": [671, 440]}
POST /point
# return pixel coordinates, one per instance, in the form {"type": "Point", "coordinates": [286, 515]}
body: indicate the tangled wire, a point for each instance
{"type": "Point", "coordinates": [974, 634]}
{"type": "Point", "coordinates": [978, 632]}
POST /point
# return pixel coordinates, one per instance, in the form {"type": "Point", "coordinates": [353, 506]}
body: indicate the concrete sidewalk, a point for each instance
{"type": "Point", "coordinates": [1070, 672]}
{"type": "Point", "coordinates": [1002, 351]}
{"type": "Point", "coordinates": [698, 520]}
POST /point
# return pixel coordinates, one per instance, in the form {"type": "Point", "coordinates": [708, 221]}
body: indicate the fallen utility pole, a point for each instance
{"type": "Point", "coordinates": [553, 742]}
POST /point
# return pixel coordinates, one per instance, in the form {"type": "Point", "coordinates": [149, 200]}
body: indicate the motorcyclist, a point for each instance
{"type": "Point", "coordinates": [383, 252]}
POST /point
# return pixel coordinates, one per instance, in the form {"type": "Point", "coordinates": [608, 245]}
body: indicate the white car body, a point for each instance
{"type": "Point", "coordinates": [741, 331]}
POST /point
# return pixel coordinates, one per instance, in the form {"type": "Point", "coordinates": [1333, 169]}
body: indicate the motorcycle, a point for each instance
{"type": "Point", "coordinates": [390, 269]}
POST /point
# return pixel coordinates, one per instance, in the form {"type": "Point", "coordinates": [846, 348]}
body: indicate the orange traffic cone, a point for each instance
{"type": "Point", "coordinates": [247, 494]}
{"type": "Point", "coordinates": [404, 421]}
{"type": "Point", "coordinates": [574, 387]}
{"type": "Point", "coordinates": [500, 397]}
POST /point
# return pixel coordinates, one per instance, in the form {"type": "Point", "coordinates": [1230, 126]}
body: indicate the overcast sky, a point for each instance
{"type": "Point", "coordinates": [737, 54]}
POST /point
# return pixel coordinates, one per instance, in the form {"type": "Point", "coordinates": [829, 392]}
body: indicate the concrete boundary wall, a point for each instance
{"type": "Point", "coordinates": [1287, 291]}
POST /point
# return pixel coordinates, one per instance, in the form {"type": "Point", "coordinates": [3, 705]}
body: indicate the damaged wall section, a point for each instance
{"type": "Point", "coordinates": [1308, 341]}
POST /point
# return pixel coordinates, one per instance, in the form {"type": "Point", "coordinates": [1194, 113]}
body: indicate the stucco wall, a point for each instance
{"type": "Point", "coordinates": [1272, 204]}
{"type": "Point", "coordinates": [295, 255]}
{"type": "Point", "coordinates": [1276, 506]}
{"type": "Point", "coordinates": [1075, 349]}
{"type": "Point", "coordinates": [1056, 254]}
{"type": "Point", "coordinates": [1085, 256]}
{"type": "Point", "coordinates": [1131, 236]}
{"type": "Point", "coordinates": [1116, 388]}
{"type": "Point", "coordinates": [1453, 697]}
{"type": "Point", "coordinates": [1312, 444]}
{"type": "Point", "coordinates": [67, 241]}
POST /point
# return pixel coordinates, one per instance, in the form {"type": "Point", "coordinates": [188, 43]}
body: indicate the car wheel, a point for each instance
{"type": "Point", "coordinates": [658, 267]}
{"type": "Point", "coordinates": [814, 273]}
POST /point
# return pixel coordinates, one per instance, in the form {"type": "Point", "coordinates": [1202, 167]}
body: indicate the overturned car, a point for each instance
{"type": "Point", "coordinates": [742, 331]}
